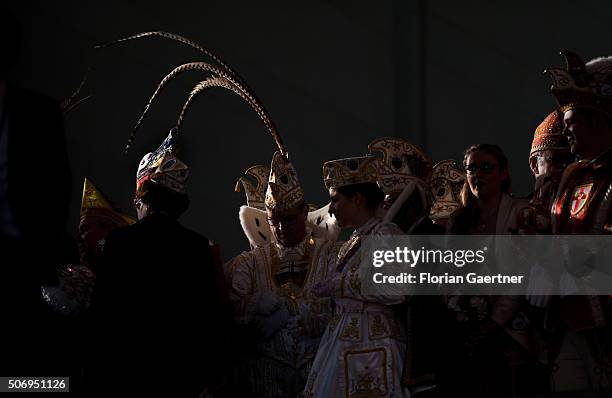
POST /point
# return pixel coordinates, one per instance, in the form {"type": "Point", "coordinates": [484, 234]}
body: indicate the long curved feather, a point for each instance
{"type": "Point", "coordinates": [175, 37]}
{"type": "Point", "coordinates": [234, 78]}
{"type": "Point", "coordinates": [204, 66]}
{"type": "Point", "coordinates": [210, 82]}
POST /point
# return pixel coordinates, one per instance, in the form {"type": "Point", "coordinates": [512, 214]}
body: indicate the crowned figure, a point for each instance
{"type": "Point", "coordinates": [270, 286]}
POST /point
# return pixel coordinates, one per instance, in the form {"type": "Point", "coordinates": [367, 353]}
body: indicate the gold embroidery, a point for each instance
{"type": "Point", "coordinates": [334, 322]}
{"type": "Point", "coordinates": [378, 328]}
{"type": "Point", "coordinates": [366, 384]}
{"type": "Point", "coordinates": [351, 331]}
{"type": "Point", "coordinates": [394, 327]}
{"type": "Point", "coordinates": [354, 280]}
{"type": "Point", "coordinates": [290, 289]}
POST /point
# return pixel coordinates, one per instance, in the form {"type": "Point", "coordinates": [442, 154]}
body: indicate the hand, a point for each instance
{"type": "Point", "coordinates": [327, 288]}
{"type": "Point", "coordinates": [267, 303]}
{"type": "Point", "coordinates": [540, 287]}
{"type": "Point", "coordinates": [268, 325]}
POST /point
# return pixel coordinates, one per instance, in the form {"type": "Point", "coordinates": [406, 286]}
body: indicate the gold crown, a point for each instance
{"type": "Point", "coordinates": [548, 135]}
{"type": "Point", "coordinates": [402, 162]}
{"type": "Point", "coordinates": [255, 194]}
{"type": "Point", "coordinates": [576, 87]}
{"type": "Point", "coordinates": [163, 167]}
{"type": "Point", "coordinates": [284, 191]}
{"type": "Point", "coordinates": [446, 182]}
{"type": "Point", "coordinates": [342, 172]}
{"type": "Point", "coordinates": [93, 203]}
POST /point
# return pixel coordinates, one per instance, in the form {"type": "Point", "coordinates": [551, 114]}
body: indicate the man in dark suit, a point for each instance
{"type": "Point", "coordinates": [34, 199]}
{"type": "Point", "coordinates": [160, 312]}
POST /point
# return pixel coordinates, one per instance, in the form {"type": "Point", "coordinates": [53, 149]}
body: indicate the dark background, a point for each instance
{"type": "Point", "coordinates": [334, 75]}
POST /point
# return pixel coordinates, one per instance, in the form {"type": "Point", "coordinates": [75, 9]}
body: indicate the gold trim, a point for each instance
{"type": "Point", "coordinates": [346, 373]}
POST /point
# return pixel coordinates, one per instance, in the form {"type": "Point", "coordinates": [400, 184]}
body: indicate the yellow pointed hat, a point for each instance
{"type": "Point", "coordinates": [94, 203]}
{"type": "Point", "coordinates": [284, 191]}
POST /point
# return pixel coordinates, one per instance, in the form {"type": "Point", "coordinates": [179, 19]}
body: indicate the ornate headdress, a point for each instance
{"type": "Point", "coordinates": [163, 167]}
{"type": "Point", "coordinates": [402, 163]}
{"type": "Point", "coordinates": [284, 191]}
{"type": "Point", "coordinates": [255, 194]}
{"type": "Point", "coordinates": [222, 76]}
{"type": "Point", "coordinates": [446, 182]}
{"type": "Point", "coordinates": [349, 171]}
{"type": "Point", "coordinates": [253, 217]}
{"type": "Point", "coordinates": [583, 85]}
{"type": "Point", "coordinates": [549, 134]}
{"type": "Point", "coordinates": [95, 204]}
{"type": "Point", "coordinates": [163, 162]}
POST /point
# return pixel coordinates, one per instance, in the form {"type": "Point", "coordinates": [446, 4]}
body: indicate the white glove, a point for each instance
{"type": "Point", "coordinates": [567, 285]}
{"type": "Point", "coordinates": [540, 287]}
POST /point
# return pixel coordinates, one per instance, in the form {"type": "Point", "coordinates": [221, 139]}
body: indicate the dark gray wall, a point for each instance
{"type": "Point", "coordinates": [334, 75]}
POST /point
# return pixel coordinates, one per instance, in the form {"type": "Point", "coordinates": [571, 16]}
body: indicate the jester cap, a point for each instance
{"type": "Point", "coordinates": [582, 85]}
{"type": "Point", "coordinates": [350, 171]}
{"type": "Point", "coordinates": [402, 162]}
{"type": "Point", "coordinates": [284, 191]}
{"type": "Point", "coordinates": [549, 134]}
{"type": "Point", "coordinates": [255, 194]}
{"type": "Point", "coordinates": [163, 167]}
{"type": "Point", "coordinates": [95, 204]}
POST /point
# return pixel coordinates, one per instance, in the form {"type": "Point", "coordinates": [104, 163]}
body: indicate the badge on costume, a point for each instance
{"type": "Point", "coordinates": [579, 199]}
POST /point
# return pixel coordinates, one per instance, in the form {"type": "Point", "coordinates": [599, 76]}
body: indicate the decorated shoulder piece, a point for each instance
{"type": "Point", "coordinates": [324, 225]}
{"type": "Point", "coordinates": [582, 85]}
{"type": "Point", "coordinates": [403, 169]}
{"type": "Point", "coordinates": [402, 163]}
{"type": "Point", "coordinates": [446, 182]}
{"type": "Point", "coordinates": [257, 230]}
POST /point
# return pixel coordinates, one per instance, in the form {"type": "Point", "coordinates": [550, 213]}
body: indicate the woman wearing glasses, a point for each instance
{"type": "Point", "coordinates": [490, 335]}
{"type": "Point", "coordinates": [486, 205]}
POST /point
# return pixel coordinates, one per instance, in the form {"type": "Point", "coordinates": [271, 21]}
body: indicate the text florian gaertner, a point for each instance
{"type": "Point", "coordinates": [456, 258]}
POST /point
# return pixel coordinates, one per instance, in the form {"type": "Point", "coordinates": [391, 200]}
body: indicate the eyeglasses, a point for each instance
{"type": "Point", "coordinates": [485, 167]}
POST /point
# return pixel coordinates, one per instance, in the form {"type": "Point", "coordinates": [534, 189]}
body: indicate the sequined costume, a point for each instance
{"type": "Point", "coordinates": [362, 351]}
{"type": "Point", "coordinates": [269, 285]}
{"type": "Point", "coordinates": [583, 206]}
